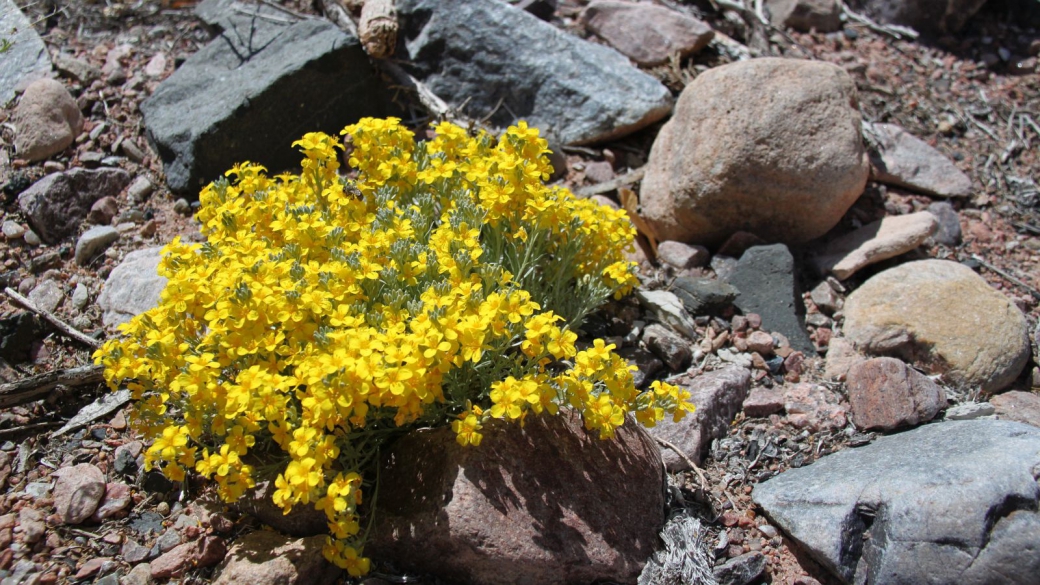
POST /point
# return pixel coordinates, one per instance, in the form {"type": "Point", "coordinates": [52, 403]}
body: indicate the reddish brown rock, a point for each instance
{"type": "Point", "coordinates": [78, 492]}
{"type": "Point", "coordinates": [271, 558]}
{"type": "Point", "coordinates": [544, 503]}
{"type": "Point", "coordinates": [885, 394]}
{"type": "Point", "coordinates": [646, 33]}
{"type": "Point", "coordinates": [117, 498]}
{"type": "Point", "coordinates": [301, 521]}
{"type": "Point", "coordinates": [814, 407]}
{"type": "Point", "coordinates": [763, 402]}
{"type": "Point", "coordinates": [718, 396]}
{"type": "Point", "coordinates": [682, 255]}
{"type": "Point", "coordinates": [103, 210]}
{"type": "Point", "coordinates": [56, 205]}
{"type": "Point", "coordinates": [760, 342]}
{"type": "Point", "coordinates": [92, 567]}
{"type": "Point", "coordinates": [900, 158]}
{"type": "Point", "coordinates": [805, 15]}
{"type": "Point", "coordinates": [1023, 407]}
{"type": "Point", "coordinates": [204, 552]}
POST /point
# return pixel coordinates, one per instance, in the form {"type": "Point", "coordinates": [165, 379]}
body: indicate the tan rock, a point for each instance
{"type": "Point", "coordinates": [942, 317]}
{"type": "Point", "coordinates": [769, 146]}
{"type": "Point", "coordinates": [874, 242]}
{"type": "Point", "coordinates": [841, 356]}
{"type": "Point", "coordinates": [274, 559]}
{"type": "Point", "coordinates": [46, 119]}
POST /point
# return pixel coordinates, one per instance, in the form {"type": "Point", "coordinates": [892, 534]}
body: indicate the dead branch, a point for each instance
{"type": "Point", "coordinates": [1031, 290]}
{"type": "Point", "coordinates": [27, 428]}
{"type": "Point", "coordinates": [338, 15]}
{"type": "Point", "coordinates": [37, 387]}
{"type": "Point", "coordinates": [377, 28]}
{"type": "Point", "coordinates": [686, 458]}
{"type": "Point", "coordinates": [63, 327]}
{"type": "Point", "coordinates": [893, 30]}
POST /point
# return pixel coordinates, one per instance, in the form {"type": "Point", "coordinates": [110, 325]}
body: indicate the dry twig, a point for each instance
{"type": "Point", "coordinates": [36, 387]}
{"type": "Point", "coordinates": [700, 474]}
{"type": "Point", "coordinates": [62, 326]}
{"type": "Point", "coordinates": [1033, 291]}
{"type": "Point", "coordinates": [892, 30]}
{"type": "Point", "coordinates": [27, 428]}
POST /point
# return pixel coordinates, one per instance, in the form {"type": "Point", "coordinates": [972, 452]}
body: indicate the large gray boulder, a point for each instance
{"type": "Point", "coordinates": [504, 63]}
{"type": "Point", "coordinates": [26, 56]}
{"type": "Point", "coordinates": [768, 146]}
{"type": "Point", "coordinates": [252, 91]}
{"type": "Point", "coordinates": [548, 503]}
{"type": "Point", "coordinates": [948, 503]}
{"type": "Point", "coordinates": [944, 318]}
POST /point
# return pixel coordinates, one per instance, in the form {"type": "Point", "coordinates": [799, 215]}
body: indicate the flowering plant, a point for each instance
{"type": "Point", "coordinates": [324, 314]}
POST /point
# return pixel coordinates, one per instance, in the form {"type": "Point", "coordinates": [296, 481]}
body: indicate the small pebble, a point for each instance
{"type": "Point", "coordinates": [32, 239]}
{"type": "Point", "coordinates": [163, 508]}
{"type": "Point", "coordinates": [80, 296]}
{"type": "Point", "coordinates": [182, 206]}
{"type": "Point", "coordinates": [13, 230]}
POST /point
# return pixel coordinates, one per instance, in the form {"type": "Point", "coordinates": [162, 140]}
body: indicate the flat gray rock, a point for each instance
{"type": "Point", "coordinates": [900, 158]}
{"type": "Point", "coordinates": [27, 56]}
{"type": "Point", "coordinates": [93, 242]}
{"type": "Point", "coordinates": [953, 502]}
{"type": "Point", "coordinates": [132, 288]}
{"type": "Point", "coordinates": [505, 63]}
{"type": "Point", "coordinates": [764, 275]}
{"type": "Point", "coordinates": [252, 91]}
{"type": "Point", "coordinates": [47, 295]}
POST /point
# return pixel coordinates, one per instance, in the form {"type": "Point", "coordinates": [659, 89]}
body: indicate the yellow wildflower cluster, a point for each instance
{"type": "Point", "coordinates": [325, 315]}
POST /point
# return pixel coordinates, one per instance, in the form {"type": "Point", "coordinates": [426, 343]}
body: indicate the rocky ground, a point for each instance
{"type": "Point", "coordinates": [775, 391]}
